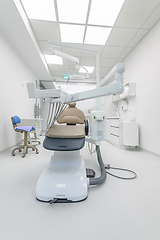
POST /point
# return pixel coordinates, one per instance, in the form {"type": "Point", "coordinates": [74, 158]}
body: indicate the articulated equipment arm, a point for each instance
{"type": "Point", "coordinates": [56, 95]}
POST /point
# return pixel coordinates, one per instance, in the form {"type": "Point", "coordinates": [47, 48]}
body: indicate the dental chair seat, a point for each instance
{"type": "Point", "coordinates": [66, 131]}
{"type": "Point", "coordinates": [65, 138]}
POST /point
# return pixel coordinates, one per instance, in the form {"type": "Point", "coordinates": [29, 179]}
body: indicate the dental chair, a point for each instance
{"type": "Point", "coordinates": [65, 178]}
{"type": "Point", "coordinates": [23, 129]}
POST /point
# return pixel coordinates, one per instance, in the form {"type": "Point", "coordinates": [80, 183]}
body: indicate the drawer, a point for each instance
{"type": "Point", "coordinates": [115, 131]}
{"type": "Point", "coordinates": [115, 139]}
{"type": "Point", "coordinates": [115, 123]}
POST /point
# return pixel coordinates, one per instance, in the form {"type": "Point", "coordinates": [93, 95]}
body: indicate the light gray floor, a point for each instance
{"type": "Point", "coordinates": [116, 210]}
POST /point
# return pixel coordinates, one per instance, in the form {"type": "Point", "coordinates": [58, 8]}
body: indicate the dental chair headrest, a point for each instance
{"type": "Point", "coordinates": [71, 115]}
{"type": "Point", "coordinates": [72, 104]}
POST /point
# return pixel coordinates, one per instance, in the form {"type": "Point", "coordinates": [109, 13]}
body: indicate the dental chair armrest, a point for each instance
{"type": "Point", "coordinates": [86, 127]}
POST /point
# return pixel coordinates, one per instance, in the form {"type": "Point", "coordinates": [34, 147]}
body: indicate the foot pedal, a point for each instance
{"type": "Point", "coordinates": [90, 173]}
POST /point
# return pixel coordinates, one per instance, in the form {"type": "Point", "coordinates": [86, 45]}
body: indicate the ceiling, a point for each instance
{"type": "Point", "coordinates": [134, 21]}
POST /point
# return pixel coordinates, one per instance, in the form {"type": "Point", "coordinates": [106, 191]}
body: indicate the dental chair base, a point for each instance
{"type": "Point", "coordinates": [64, 180]}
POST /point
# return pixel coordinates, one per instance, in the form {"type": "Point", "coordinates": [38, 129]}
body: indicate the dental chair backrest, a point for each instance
{"type": "Point", "coordinates": [71, 115]}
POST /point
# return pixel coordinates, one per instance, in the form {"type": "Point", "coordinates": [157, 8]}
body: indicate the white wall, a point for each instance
{"type": "Point", "coordinates": [110, 107]}
{"type": "Point", "coordinates": [143, 67]}
{"type": "Point", "coordinates": [14, 75]}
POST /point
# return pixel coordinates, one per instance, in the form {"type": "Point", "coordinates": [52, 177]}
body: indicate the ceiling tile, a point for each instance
{"type": "Point", "coordinates": [45, 30]}
{"type": "Point", "coordinates": [121, 36]}
{"type": "Point", "coordinates": [118, 60]}
{"type": "Point", "coordinates": [68, 62]}
{"type": "Point", "coordinates": [112, 52]}
{"type": "Point", "coordinates": [56, 74]}
{"type": "Point", "coordinates": [138, 37]}
{"type": "Point", "coordinates": [92, 54]}
{"type": "Point", "coordinates": [106, 62]}
{"type": "Point", "coordinates": [126, 51]}
{"type": "Point", "coordinates": [56, 68]}
{"type": "Point", "coordinates": [94, 75]}
{"type": "Point", "coordinates": [72, 52]}
{"type": "Point", "coordinates": [88, 61]}
{"type": "Point", "coordinates": [44, 46]}
{"type": "Point", "coordinates": [134, 13]}
{"type": "Point", "coordinates": [103, 69]}
{"type": "Point", "coordinates": [88, 54]}
{"type": "Point", "coordinates": [103, 75]}
{"type": "Point", "coordinates": [153, 18]}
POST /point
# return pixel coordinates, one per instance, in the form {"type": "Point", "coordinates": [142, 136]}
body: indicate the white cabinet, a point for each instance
{"type": "Point", "coordinates": [121, 132]}
{"type": "Point", "coordinates": [130, 133]}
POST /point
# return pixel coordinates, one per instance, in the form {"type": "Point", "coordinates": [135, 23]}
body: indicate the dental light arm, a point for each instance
{"type": "Point", "coordinates": [72, 59]}
{"type": "Point", "coordinates": [52, 44]}
{"type": "Point", "coordinates": [64, 55]}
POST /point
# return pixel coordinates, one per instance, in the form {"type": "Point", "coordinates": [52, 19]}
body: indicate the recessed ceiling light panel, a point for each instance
{"type": "Point", "coordinates": [72, 11]}
{"type": "Point", "coordinates": [104, 12]}
{"type": "Point", "coordinates": [40, 9]}
{"type": "Point", "coordinates": [72, 33]}
{"type": "Point", "coordinates": [97, 35]}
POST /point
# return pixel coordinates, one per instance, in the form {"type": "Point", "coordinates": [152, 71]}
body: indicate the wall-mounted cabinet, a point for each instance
{"type": "Point", "coordinates": [122, 132]}
{"type": "Point", "coordinates": [129, 91]}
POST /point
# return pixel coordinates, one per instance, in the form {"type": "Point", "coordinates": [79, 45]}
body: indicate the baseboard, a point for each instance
{"type": "Point", "coordinates": [10, 148]}
{"type": "Point", "coordinates": [150, 152]}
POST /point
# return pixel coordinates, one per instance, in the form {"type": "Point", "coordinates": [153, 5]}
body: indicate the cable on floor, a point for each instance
{"type": "Point", "coordinates": [120, 169]}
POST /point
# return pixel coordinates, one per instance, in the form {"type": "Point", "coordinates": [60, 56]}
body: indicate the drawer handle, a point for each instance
{"type": "Point", "coordinates": [114, 135]}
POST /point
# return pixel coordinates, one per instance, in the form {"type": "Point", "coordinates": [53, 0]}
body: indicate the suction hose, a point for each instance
{"type": "Point", "coordinates": [101, 179]}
